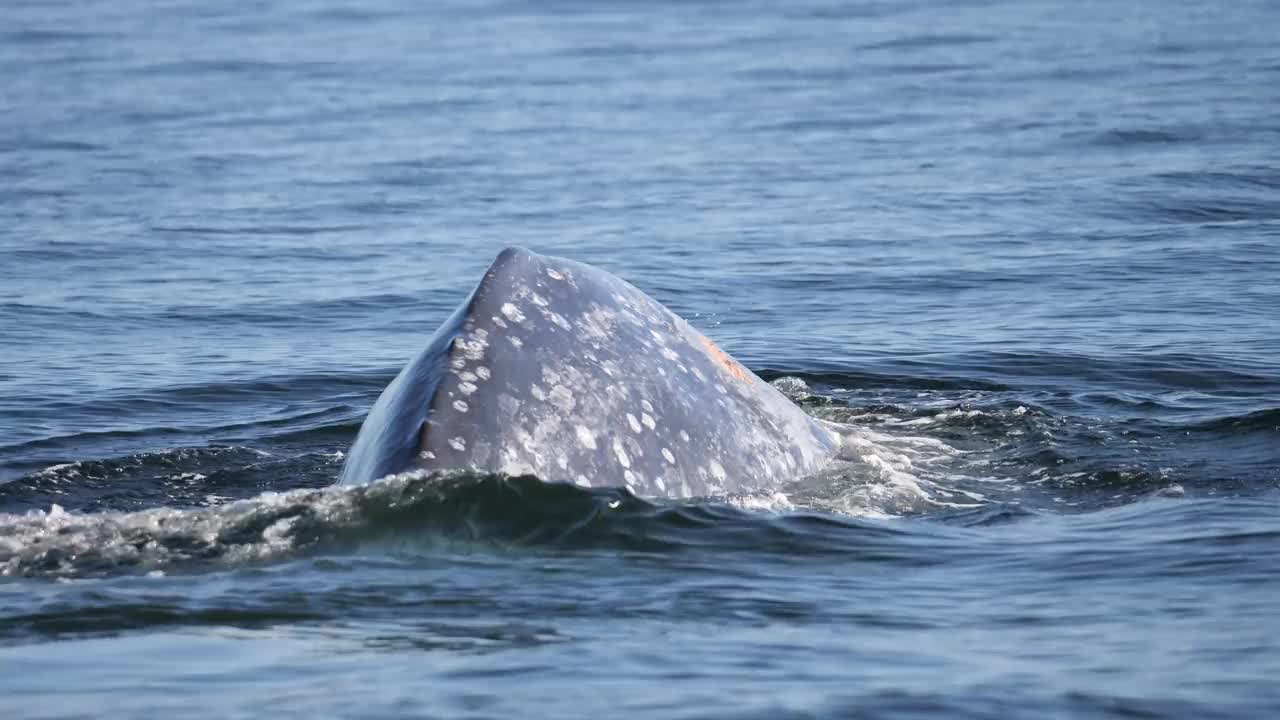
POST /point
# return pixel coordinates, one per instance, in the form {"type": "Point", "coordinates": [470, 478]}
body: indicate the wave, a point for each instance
{"type": "Point", "coordinates": [181, 477]}
{"type": "Point", "coordinates": [414, 509]}
{"type": "Point", "coordinates": [1266, 420]}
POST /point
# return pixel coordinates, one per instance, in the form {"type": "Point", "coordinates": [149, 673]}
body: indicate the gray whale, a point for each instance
{"type": "Point", "coordinates": [561, 370]}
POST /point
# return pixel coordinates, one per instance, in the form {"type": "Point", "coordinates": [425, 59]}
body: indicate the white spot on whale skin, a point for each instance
{"type": "Point", "coordinates": [662, 485]}
{"type": "Point", "coordinates": [684, 436]}
{"type": "Point", "coordinates": [633, 422]}
{"type": "Point", "coordinates": [562, 398]}
{"type": "Point", "coordinates": [669, 354]}
{"type": "Point", "coordinates": [648, 406]}
{"type": "Point", "coordinates": [458, 363]}
{"type": "Point", "coordinates": [482, 372]}
{"type": "Point", "coordinates": [467, 376]}
{"type": "Point", "coordinates": [516, 341]}
{"type": "Point", "coordinates": [512, 313]}
{"type": "Point", "coordinates": [427, 455]}
{"type": "Point", "coordinates": [621, 454]}
{"type": "Point", "coordinates": [458, 444]}
{"type": "Point", "coordinates": [648, 421]}
{"type": "Point", "coordinates": [467, 388]}
{"type": "Point", "coordinates": [630, 479]}
{"type": "Point", "coordinates": [586, 437]}
{"type": "Point", "coordinates": [471, 349]}
{"type": "Point", "coordinates": [537, 393]}
{"type": "Point", "coordinates": [554, 274]}
{"type": "Point", "coordinates": [460, 406]}
{"type": "Point", "coordinates": [717, 470]}
{"type": "Point", "coordinates": [559, 320]}
{"type": "Point", "coordinates": [667, 454]}
{"type": "Point", "coordinates": [582, 481]}
{"type": "Point", "coordinates": [499, 322]}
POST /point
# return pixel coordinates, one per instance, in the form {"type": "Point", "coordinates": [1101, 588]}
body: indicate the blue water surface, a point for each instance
{"type": "Point", "coordinates": [1029, 252]}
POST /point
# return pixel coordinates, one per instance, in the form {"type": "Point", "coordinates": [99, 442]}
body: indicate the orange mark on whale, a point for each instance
{"type": "Point", "coordinates": [729, 364]}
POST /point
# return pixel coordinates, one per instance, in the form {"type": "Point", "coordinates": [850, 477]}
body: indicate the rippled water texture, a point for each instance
{"type": "Point", "coordinates": [1025, 254]}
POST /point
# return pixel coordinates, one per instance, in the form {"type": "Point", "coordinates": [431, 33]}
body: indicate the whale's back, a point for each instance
{"type": "Point", "coordinates": [565, 371]}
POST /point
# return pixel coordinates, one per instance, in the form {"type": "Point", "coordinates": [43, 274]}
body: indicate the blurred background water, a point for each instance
{"type": "Point", "coordinates": [1027, 250]}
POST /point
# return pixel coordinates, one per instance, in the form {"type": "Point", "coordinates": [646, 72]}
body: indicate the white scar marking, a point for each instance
{"type": "Point", "coordinates": [537, 393]}
{"type": "Point", "coordinates": [623, 460]}
{"type": "Point", "coordinates": [539, 300]}
{"type": "Point", "coordinates": [460, 406]}
{"type": "Point", "coordinates": [467, 388]}
{"type": "Point", "coordinates": [554, 274]}
{"type": "Point", "coordinates": [427, 455]}
{"type": "Point", "coordinates": [585, 437]}
{"type": "Point", "coordinates": [499, 322]}
{"type": "Point", "coordinates": [512, 312]}
{"type": "Point", "coordinates": [458, 444]}
{"type": "Point", "coordinates": [482, 372]}
{"type": "Point", "coordinates": [633, 422]}
{"type": "Point", "coordinates": [667, 454]}
{"type": "Point", "coordinates": [648, 406]}
{"type": "Point", "coordinates": [583, 481]}
{"type": "Point", "coordinates": [467, 376]}
{"type": "Point", "coordinates": [684, 436]}
{"type": "Point", "coordinates": [662, 486]}
{"type": "Point", "coordinates": [648, 421]}
{"type": "Point", "coordinates": [630, 478]}
{"type": "Point", "coordinates": [516, 341]}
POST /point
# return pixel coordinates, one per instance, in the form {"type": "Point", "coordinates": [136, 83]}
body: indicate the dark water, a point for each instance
{"type": "Point", "coordinates": [1027, 250]}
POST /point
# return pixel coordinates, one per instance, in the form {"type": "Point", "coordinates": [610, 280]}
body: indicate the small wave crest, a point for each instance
{"type": "Point", "coordinates": [414, 512]}
{"type": "Point", "coordinates": [420, 506]}
{"type": "Point", "coordinates": [420, 513]}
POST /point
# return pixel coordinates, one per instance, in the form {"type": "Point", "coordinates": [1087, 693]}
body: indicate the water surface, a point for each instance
{"type": "Point", "coordinates": [1026, 251]}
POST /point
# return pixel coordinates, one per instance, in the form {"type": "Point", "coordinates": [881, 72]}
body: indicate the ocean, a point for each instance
{"type": "Point", "coordinates": [1027, 252]}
